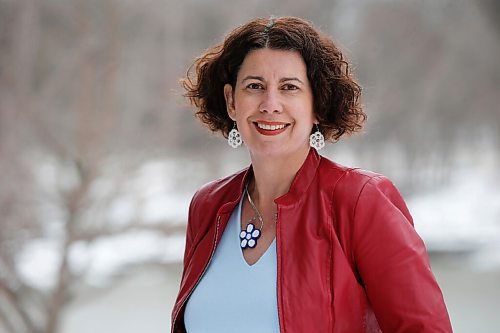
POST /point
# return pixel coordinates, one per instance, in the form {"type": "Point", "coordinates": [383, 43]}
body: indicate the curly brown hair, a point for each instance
{"type": "Point", "coordinates": [335, 92]}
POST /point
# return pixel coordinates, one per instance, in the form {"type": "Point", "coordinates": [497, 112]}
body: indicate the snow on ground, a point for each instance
{"type": "Point", "coordinates": [463, 217]}
{"type": "Point", "coordinates": [100, 260]}
{"type": "Point", "coordinates": [465, 213]}
{"type": "Point", "coordinates": [38, 262]}
{"type": "Point", "coordinates": [149, 196]}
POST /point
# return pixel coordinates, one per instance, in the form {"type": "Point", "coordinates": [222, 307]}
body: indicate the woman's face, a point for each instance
{"type": "Point", "coordinates": [272, 103]}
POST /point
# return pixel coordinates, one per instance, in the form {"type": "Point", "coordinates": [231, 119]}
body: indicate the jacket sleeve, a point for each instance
{"type": "Point", "coordinates": [392, 263]}
{"type": "Point", "coordinates": [189, 231]}
{"type": "Point", "coordinates": [178, 326]}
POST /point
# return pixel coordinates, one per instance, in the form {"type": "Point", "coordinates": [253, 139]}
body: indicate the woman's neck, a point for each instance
{"type": "Point", "coordinates": [273, 176]}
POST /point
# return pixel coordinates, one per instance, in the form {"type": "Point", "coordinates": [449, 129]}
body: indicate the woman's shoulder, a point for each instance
{"type": "Point", "coordinates": [225, 187]}
{"type": "Point", "coordinates": [351, 181]}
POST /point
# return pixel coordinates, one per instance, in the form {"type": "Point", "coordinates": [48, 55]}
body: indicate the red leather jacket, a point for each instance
{"type": "Point", "coordinates": [349, 259]}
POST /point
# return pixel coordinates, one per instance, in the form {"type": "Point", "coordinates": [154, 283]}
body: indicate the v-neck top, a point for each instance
{"type": "Point", "coordinates": [233, 296]}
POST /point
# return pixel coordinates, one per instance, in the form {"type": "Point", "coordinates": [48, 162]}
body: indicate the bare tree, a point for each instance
{"type": "Point", "coordinates": [59, 105]}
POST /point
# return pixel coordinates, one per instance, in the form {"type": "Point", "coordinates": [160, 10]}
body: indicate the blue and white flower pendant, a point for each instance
{"type": "Point", "coordinates": [249, 236]}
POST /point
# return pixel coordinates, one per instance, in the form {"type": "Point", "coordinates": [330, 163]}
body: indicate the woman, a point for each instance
{"type": "Point", "coordinates": [296, 242]}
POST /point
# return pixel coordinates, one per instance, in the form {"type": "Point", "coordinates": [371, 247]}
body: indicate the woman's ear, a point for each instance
{"type": "Point", "coordinates": [228, 95]}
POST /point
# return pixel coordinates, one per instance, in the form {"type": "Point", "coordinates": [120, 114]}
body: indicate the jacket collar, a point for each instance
{"type": "Point", "coordinates": [302, 180]}
{"type": "Point", "coordinates": [300, 183]}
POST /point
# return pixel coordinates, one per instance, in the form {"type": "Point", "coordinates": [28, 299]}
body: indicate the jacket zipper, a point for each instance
{"type": "Point", "coordinates": [201, 275]}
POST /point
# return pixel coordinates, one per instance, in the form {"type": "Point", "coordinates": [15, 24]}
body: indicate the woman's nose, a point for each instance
{"type": "Point", "coordinates": [271, 102]}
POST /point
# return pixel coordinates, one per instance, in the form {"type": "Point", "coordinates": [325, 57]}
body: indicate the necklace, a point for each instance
{"type": "Point", "coordinates": [250, 235]}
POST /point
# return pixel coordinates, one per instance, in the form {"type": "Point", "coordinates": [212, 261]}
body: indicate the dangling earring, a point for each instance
{"type": "Point", "coordinates": [234, 137]}
{"type": "Point", "coordinates": [317, 140]}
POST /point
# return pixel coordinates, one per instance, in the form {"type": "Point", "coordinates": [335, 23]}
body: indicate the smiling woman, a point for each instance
{"type": "Point", "coordinates": [295, 242]}
{"type": "Point", "coordinates": [272, 105]}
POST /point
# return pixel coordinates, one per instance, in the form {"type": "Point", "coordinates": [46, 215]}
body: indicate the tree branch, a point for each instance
{"type": "Point", "coordinates": [13, 299]}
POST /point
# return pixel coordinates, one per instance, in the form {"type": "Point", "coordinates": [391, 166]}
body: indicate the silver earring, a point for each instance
{"type": "Point", "coordinates": [234, 137]}
{"type": "Point", "coordinates": [317, 140]}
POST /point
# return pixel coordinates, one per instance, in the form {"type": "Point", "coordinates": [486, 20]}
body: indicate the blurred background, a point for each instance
{"type": "Point", "coordinates": [100, 154]}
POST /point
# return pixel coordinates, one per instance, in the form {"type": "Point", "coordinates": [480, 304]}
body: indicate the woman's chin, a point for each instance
{"type": "Point", "coordinates": [276, 150]}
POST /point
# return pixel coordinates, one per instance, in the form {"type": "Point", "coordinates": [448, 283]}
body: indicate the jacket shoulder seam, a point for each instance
{"type": "Point", "coordinates": [369, 180]}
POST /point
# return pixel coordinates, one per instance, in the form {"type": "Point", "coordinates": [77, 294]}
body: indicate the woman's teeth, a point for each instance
{"type": "Point", "coordinates": [271, 127]}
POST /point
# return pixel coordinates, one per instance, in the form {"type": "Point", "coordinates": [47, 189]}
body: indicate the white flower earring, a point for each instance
{"type": "Point", "coordinates": [234, 137]}
{"type": "Point", "coordinates": [317, 140]}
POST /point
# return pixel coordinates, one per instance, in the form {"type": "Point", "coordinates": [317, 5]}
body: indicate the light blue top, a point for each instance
{"type": "Point", "coordinates": [233, 296]}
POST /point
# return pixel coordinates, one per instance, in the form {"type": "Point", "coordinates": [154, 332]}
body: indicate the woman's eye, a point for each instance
{"type": "Point", "coordinates": [254, 86]}
{"type": "Point", "coordinates": [290, 87]}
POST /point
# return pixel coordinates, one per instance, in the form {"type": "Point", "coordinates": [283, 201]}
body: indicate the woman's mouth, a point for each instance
{"type": "Point", "coordinates": [270, 128]}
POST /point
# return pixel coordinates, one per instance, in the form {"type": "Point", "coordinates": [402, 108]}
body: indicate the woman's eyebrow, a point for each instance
{"type": "Point", "coordinates": [291, 79]}
{"type": "Point", "coordinates": [260, 78]}
{"type": "Point", "coordinates": [252, 77]}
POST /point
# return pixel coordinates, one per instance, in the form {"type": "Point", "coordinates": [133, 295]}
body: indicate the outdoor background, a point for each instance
{"type": "Point", "coordinates": [100, 154]}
